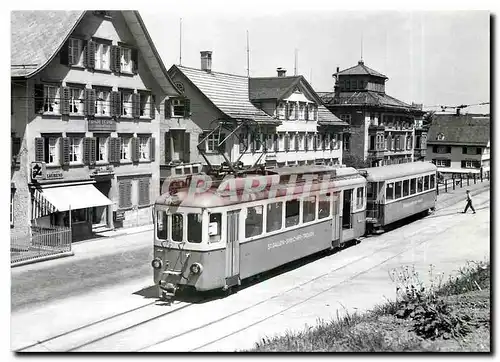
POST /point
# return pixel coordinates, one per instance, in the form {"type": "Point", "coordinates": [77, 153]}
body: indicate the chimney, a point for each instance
{"type": "Point", "coordinates": [338, 69]}
{"type": "Point", "coordinates": [281, 72]}
{"type": "Point", "coordinates": [206, 61]}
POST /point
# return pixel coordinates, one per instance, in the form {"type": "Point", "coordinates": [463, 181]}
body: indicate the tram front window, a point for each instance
{"type": "Point", "coordinates": [253, 222]}
{"type": "Point", "coordinates": [161, 225]}
{"type": "Point", "coordinates": [217, 218]}
{"type": "Point", "coordinates": [194, 228]}
{"type": "Point", "coordinates": [177, 227]}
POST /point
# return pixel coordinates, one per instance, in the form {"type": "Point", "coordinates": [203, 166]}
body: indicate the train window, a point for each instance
{"type": "Point", "coordinates": [433, 181]}
{"type": "Point", "coordinates": [420, 184]}
{"type": "Point", "coordinates": [194, 228]}
{"type": "Point", "coordinates": [177, 227]}
{"type": "Point", "coordinates": [389, 192]}
{"type": "Point", "coordinates": [324, 206]}
{"type": "Point", "coordinates": [406, 187]}
{"type": "Point", "coordinates": [413, 186]}
{"type": "Point", "coordinates": [216, 217]}
{"type": "Point", "coordinates": [359, 198]}
{"type": "Point", "coordinates": [397, 190]}
{"type": "Point", "coordinates": [309, 209]}
{"type": "Point", "coordinates": [274, 216]}
{"type": "Point", "coordinates": [253, 222]}
{"type": "Point", "coordinates": [426, 182]}
{"type": "Point", "coordinates": [161, 225]}
{"type": "Point", "coordinates": [292, 212]}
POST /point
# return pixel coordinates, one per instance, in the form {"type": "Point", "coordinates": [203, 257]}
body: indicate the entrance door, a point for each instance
{"type": "Point", "coordinates": [99, 214]}
{"type": "Point", "coordinates": [346, 211]}
{"type": "Point", "coordinates": [336, 221]}
{"type": "Point", "coordinates": [233, 248]}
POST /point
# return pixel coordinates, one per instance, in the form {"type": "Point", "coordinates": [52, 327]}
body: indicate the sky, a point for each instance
{"type": "Point", "coordinates": [431, 57]}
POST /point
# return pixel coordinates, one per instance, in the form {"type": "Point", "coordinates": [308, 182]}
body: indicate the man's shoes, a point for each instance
{"type": "Point", "coordinates": [463, 212]}
{"type": "Point", "coordinates": [474, 212]}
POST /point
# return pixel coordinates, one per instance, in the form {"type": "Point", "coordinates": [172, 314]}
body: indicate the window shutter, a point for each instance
{"type": "Point", "coordinates": [64, 151]}
{"type": "Point", "coordinates": [89, 54]}
{"type": "Point", "coordinates": [64, 54]}
{"type": "Point", "coordinates": [168, 108]}
{"type": "Point", "coordinates": [39, 149]}
{"type": "Point", "coordinates": [187, 108]}
{"type": "Point", "coordinates": [86, 151]}
{"type": "Point", "coordinates": [39, 97]}
{"type": "Point", "coordinates": [252, 143]}
{"type": "Point", "coordinates": [287, 141]}
{"type": "Point", "coordinates": [93, 150]}
{"type": "Point", "coordinates": [463, 164]}
{"type": "Point", "coordinates": [315, 146]}
{"type": "Point", "coordinates": [168, 151]}
{"type": "Point", "coordinates": [115, 104]}
{"type": "Point", "coordinates": [448, 149]}
{"type": "Point", "coordinates": [125, 194]}
{"type": "Point", "coordinates": [136, 104]}
{"type": "Point", "coordinates": [135, 60]}
{"type": "Point", "coordinates": [275, 142]}
{"type": "Point", "coordinates": [115, 58]}
{"type": "Point", "coordinates": [111, 150]}
{"type": "Point", "coordinates": [135, 149]}
{"type": "Point", "coordinates": [306, 112]}
{"type": "Point", "coordinates": [478, 151]}
{"type": "Point", "coordinates": [464, 150]}
{"type": "Point", "coordinates": [90, 100]}
{"type": "Point", "coordinates": [152, 104]}
{"type": "Point", "coordinates": [65, 96]}
{"type": "Point", "coordinates": [152, 148]}
{"type": "Point", "coordinates": [286, 110]}
{"type": "Point", "coordinates": [187, 147]}
{"type": "Point", "coordinates": [296, 141]}
{"type": "Point", "coordinates": [434, 149]}
{"type": "Point", "coordinates": [242, 142]}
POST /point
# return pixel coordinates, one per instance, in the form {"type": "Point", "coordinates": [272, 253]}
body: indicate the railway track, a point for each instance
{"type": "Point", "coordinates": [103, 334]}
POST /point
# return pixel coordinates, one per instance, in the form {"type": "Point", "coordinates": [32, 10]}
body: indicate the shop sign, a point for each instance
{"type": "Point", "coordinates": [103, 170]}
{"type": "Point", "coordinates": [101, 124]}
{"type": "Point", "coordinates": [54, 175]}
{"type": "Point", "coordinates": [119, 215]}
{"type": "Point", "coordinates": [38, 170]}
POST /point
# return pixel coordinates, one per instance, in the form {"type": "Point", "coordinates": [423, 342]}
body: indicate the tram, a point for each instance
{"type": "Point", "coordinates": [212, 234]}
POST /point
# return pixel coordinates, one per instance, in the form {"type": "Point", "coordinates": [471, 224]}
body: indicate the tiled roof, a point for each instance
{"type": "Point", "coordinates": [463, 129]}
{"type": "Point", "coordinates": [366, 98]}
{"type": "Point", "coordinates": [327, 118]}
{"type": "Point", "coordinates": [271, 87]}
{"type": "Point", "coordinates": [361, 69]}
{"type": "Point", "coordinates": [228, 92]}
{"type": "Point", "coordinates": [36, 36]}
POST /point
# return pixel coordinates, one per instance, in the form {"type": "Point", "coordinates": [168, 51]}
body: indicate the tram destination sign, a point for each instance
{"type": "Point", "coordinates": [101, 124]}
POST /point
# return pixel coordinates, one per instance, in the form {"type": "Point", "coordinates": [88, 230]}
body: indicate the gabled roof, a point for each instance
{"type": "Point", "coordinates": [360, 69]}
{"type": "Point", "coordinates": [277, 87]}
{"type": "Point", "coordinates": [37, 37]}
{"type": "Point", "coordinates": [227, 92]}
{"type": "Point", "coordinates": [364, 98]}
{"type": "Point", "coordinates": [464, 129]}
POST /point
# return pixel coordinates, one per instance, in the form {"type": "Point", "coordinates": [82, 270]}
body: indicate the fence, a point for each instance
{"type": "Point", "coordinates": [460, 180]}
{"type": "Point", "coordinates": [39, 242]}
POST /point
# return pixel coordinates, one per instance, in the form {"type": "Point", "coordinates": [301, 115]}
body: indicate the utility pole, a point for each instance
{"type": "Point", "coordinates": [296, 61]}
{"type": "Point", "coordinates": [180, 41]}
{"type": "Point", "coordinates": [248, 57]}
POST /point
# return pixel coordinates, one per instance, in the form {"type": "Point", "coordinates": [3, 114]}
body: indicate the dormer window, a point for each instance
{"type": "Point", "coordinates": [75, 52]}
{"type": "Point", "coordinates": [440, 137]}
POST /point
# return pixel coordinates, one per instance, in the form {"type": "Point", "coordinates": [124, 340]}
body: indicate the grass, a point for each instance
{"type": "Point", "coordinates": [444, 316]}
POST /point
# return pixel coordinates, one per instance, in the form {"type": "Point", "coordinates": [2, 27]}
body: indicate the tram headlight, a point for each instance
{"type": "Point", "coordinates": [196, 268]}
{"type": "Point", "coordinates": [156, 263]}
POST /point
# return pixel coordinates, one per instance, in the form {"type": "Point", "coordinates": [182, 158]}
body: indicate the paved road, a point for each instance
{"type": "Point", "coordinates": [105, 262]}
{"type": "Point", "coordinates": [353, 279]}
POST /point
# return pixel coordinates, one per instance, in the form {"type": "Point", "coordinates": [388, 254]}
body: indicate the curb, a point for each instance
{"type": "Point", "coordinates": [44, 258]}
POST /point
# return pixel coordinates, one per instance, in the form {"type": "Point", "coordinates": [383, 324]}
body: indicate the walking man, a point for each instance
{"type": "Point", "coordinates": [469, 203]}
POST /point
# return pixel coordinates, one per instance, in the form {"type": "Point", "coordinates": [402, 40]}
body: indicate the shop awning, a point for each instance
{"type": "Point", "coordinates": [63, 198]}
